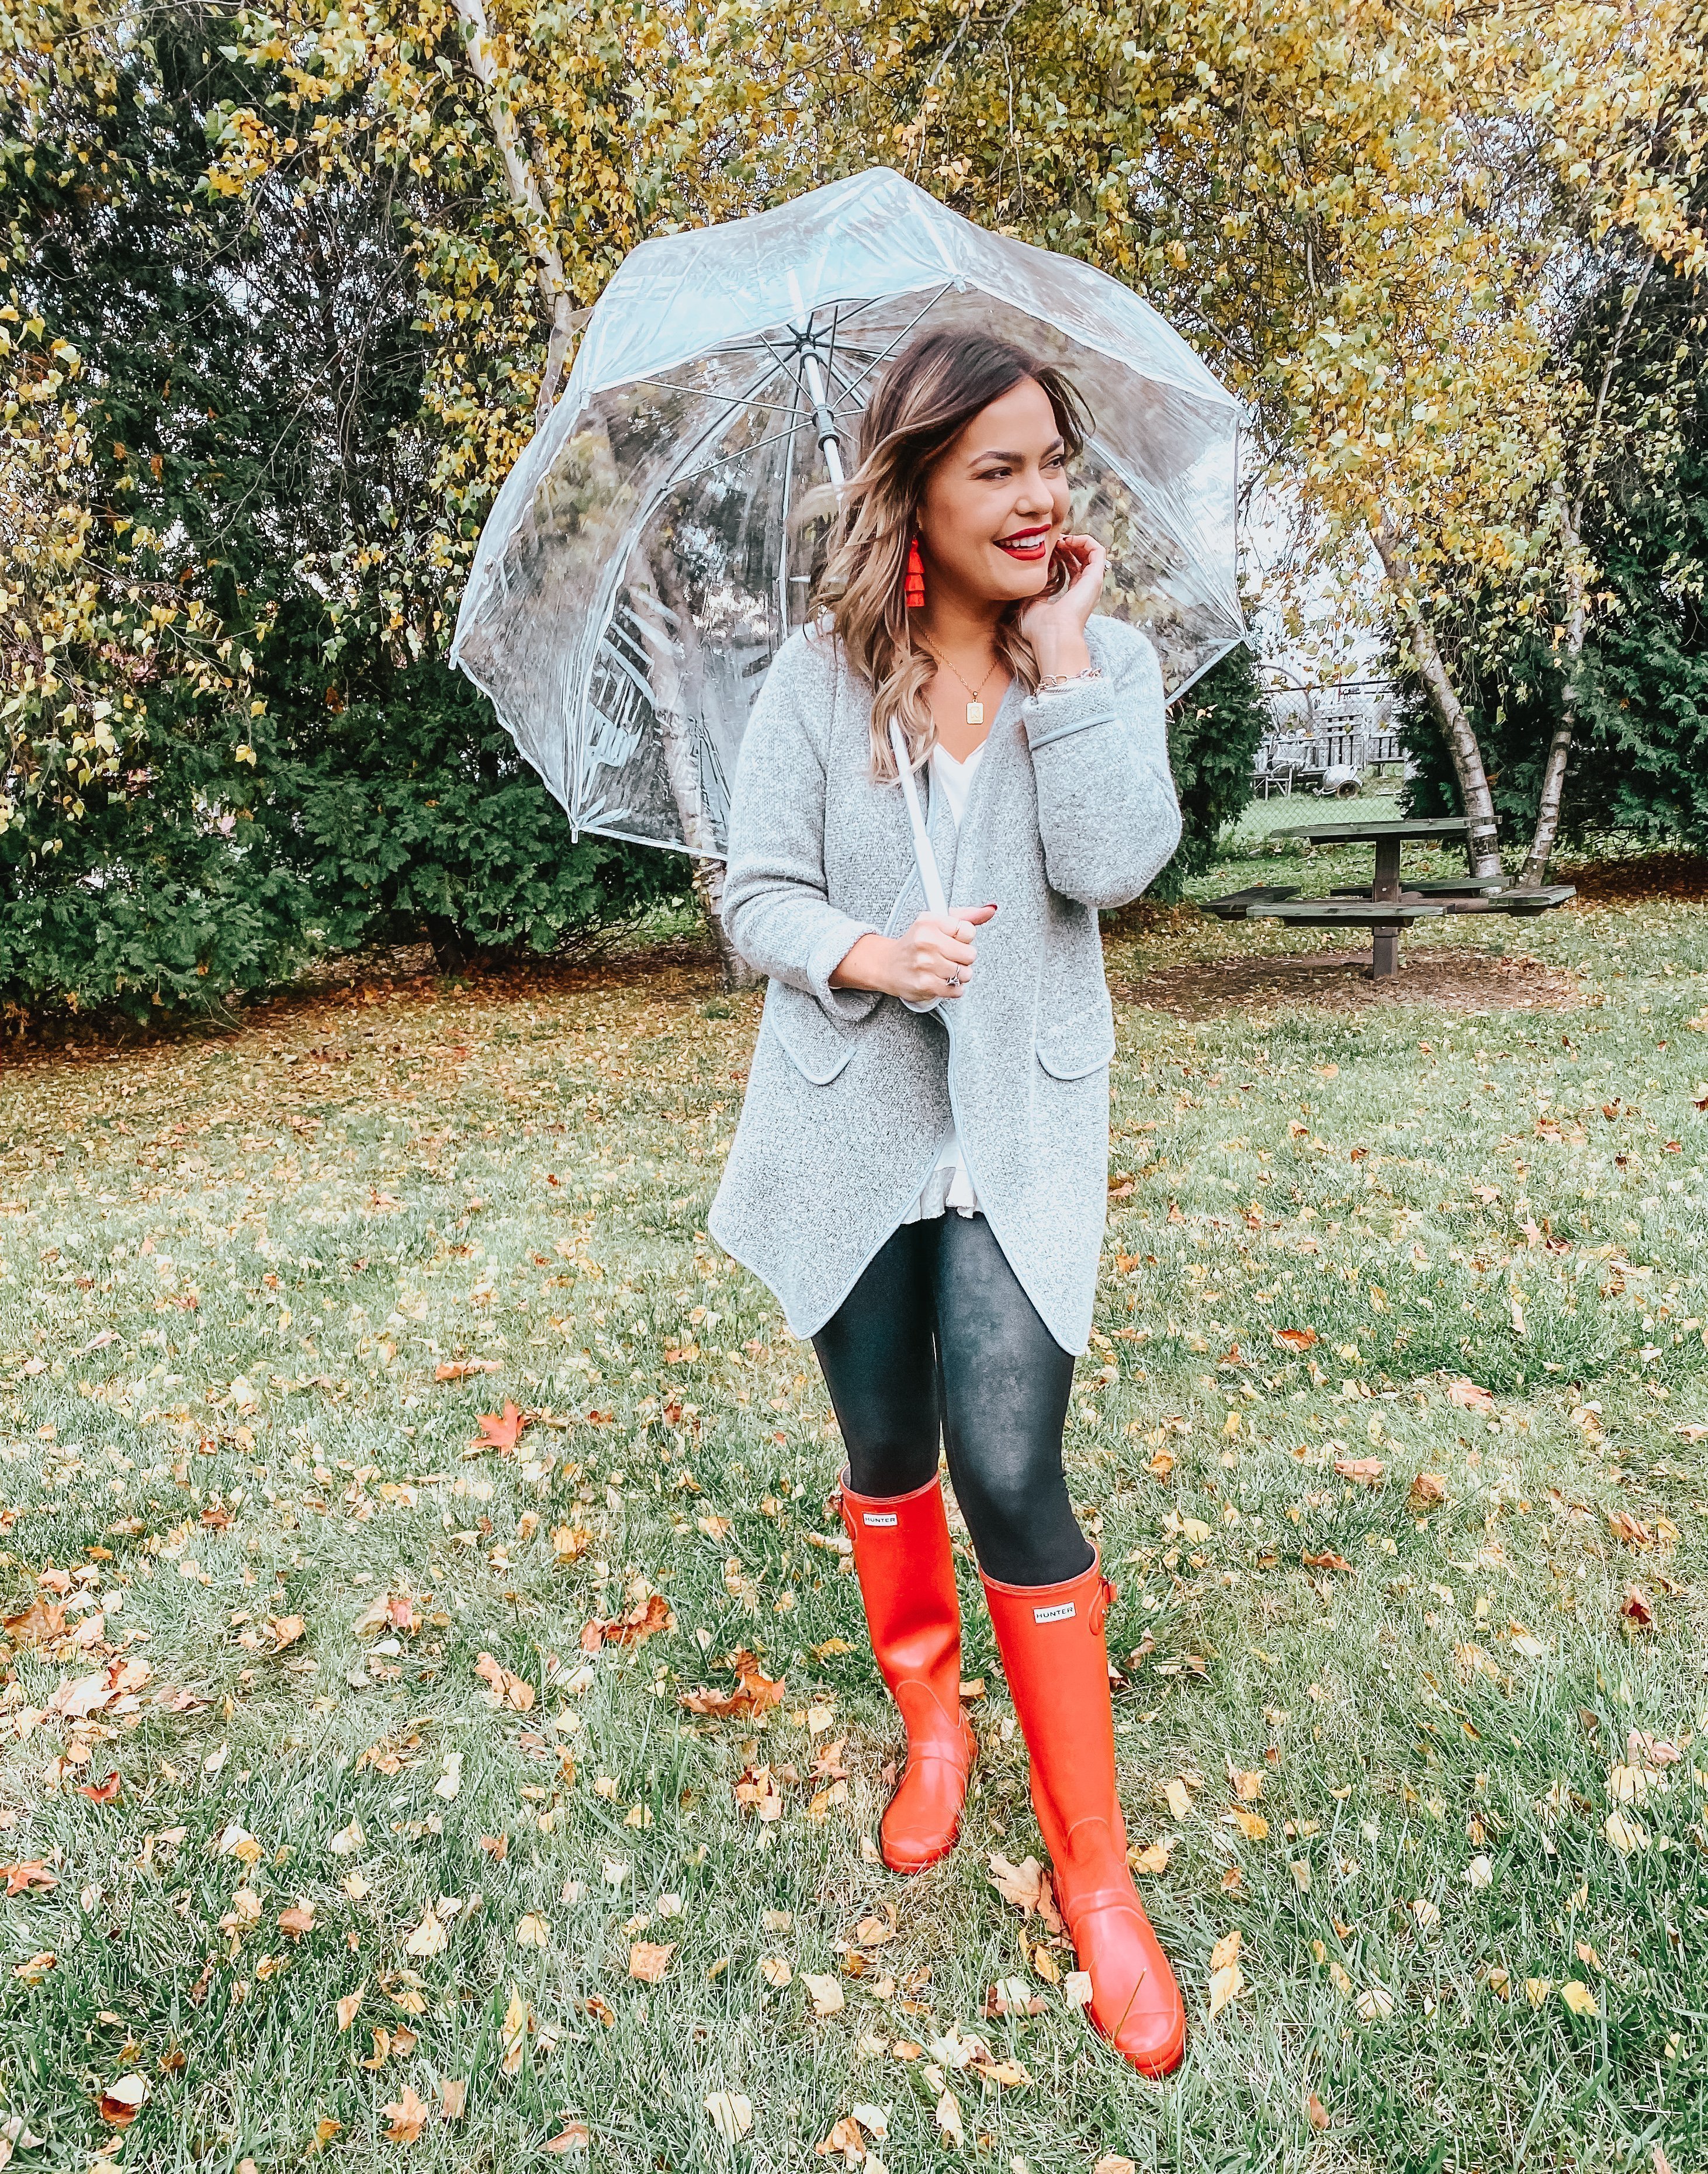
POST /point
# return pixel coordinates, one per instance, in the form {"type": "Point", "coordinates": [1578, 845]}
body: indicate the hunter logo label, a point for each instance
{"type": "Point", "coordinates": [878, 1518]}
{"type": "Point", "coordinates": [1059, 1613]}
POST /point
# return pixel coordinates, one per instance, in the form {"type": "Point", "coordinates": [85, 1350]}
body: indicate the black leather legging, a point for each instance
{"type": "Point", "coordinates": [938, 1341]}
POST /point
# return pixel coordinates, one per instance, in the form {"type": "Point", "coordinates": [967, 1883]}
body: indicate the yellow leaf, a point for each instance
{"type": "Point", "coordinates": [408, 2118]}
{"type": "Point", "coordinates": [350, 2006]}
{"type": "Point", "coordinates": [826, 1994]}
{"type": "Point", "coordinates": [430, 1937]}
{"type": "Point", "coordinates": [517, 2020]}
{"type": "Point", "coordinates": [533, 1932]}
{"type": "Point", "coordinates": [949, 2118]}
{"type": "Point", "coordinates": [731, 2115]}
{"type": "Point", "coordinates": [1179, 1803]}
{"type": "Point", "coordinates": [1578, 1997]}
{"type": "Point", "coordinates": [1252, 1825]}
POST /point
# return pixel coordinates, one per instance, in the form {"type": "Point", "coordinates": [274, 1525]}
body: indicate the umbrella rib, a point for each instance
{"type": "Point", "coordinates": [885, 353]}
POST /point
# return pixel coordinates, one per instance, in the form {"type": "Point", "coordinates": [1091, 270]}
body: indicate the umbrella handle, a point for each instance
{"type": "Point", "coordinates": [929, 878]}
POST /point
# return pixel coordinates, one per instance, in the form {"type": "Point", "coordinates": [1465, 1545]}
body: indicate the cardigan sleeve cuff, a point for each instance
{"type": "Point", "coordinates": [848, 1006]}
{"type": "Point", "coordinates": [1071, 710]}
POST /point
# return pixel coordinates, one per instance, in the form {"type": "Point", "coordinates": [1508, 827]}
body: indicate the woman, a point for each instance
{"type": "Point", "coordinates": [920, 1172]}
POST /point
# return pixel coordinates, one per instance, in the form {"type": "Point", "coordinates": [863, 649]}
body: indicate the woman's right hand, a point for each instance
{"type": "Point", "coordinates": [934, 960]}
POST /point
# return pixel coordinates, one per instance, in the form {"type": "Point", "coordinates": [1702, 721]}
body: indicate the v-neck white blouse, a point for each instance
{"type": "Point", "coordinates": [949, 1186]}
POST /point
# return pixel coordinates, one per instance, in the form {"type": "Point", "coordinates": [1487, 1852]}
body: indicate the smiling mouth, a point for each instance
{"type": "Point", "coordinates": [1026, 543]}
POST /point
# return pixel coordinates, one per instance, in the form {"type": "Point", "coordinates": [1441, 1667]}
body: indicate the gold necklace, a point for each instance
{"type": "Point", "coordinates": [975, 708]}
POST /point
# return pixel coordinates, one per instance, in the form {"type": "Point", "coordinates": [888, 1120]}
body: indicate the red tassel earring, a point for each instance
{"type": "Point", "coordinates": [913, 591]}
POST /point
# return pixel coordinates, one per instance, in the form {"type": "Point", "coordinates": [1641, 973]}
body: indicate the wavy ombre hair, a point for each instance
{"type": "Point", "coordinates": [924, 402]}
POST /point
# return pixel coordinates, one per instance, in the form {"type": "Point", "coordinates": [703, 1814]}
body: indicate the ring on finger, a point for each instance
{"type": "Point", "coordinates": [953, 980]}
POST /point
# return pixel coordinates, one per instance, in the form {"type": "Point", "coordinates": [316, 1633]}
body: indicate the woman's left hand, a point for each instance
{"type": "Point", "coordinates": [1054, 626]}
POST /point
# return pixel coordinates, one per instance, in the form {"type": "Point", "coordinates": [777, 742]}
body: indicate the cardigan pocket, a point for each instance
{"type": "Point", "coordinates": [818, 1050]}
{"type": "Point", "coordinates": [1075, 1047]}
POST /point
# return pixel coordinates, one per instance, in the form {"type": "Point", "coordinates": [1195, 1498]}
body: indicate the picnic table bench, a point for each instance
{"type": "Point", "coordinates": [1384, 906]}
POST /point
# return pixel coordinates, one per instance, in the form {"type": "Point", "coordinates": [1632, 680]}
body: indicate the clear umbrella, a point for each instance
{"type": "Point", "coordinates": [656, 542]}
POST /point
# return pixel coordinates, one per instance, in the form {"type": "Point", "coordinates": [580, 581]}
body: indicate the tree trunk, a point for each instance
{"type": "Point", "coordinates": [1481, 848]}
{"type": "Point", "coordinates": [1560, 747]}
{"type": "Point", "coordinates": [1577, 607]}
{"type": "Point", "coordinates": [672, 677]}
{"type": "Point", "coordinates": [525, 195]}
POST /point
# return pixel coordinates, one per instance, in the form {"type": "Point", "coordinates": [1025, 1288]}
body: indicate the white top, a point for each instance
{"type": "Point", "coordinates": [949, 1186]}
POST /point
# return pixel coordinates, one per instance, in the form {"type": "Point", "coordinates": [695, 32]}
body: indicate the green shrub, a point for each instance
{"type": "Point", "coordinates": [1213, 732]}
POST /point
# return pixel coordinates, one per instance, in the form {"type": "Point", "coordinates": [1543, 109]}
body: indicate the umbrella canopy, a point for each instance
{"type": "Point", "coordinates": [656, 543]}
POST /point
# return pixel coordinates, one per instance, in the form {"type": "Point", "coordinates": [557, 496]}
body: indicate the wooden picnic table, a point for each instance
{"type": "Point", "coordinates": [1364, 908]}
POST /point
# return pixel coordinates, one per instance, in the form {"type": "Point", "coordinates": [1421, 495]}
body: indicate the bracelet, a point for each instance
{"type": "Point", "coordinates": [1054, 684]}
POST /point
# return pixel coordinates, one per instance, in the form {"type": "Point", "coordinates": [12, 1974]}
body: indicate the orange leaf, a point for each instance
{"type": "Point", "coordinates": [1469, 1398]}
{"type": "Point", "coordinates": [632, 1629]}
{"type": "Point", "coordinates": [649, 1959]}
{"type": "Point", "coordinates": [574, 2136]}
{"type": "Point", "coordinates": [509, 1690]}
{"type": "Point", "coordinates": [1362, 1471]}
{"type": "Point", "coordinates": [502, 1431]}
{"type": "Point", "coordinates": [298, 1921]}
{"type": "Point", "coordinates": [408, 2117]}
{"type": "Point", "coordinates": [1327, 1561]}
{"type": "Point", "coordinates": [1429, 1491]}
{"type": "Point", "coordinates": [40, 1622]}
{"type": "Point", "coordinates": [1635, 1611]}
{"type": "Point", "coordinates": [21, 1878]}
{"type": "Point", "coordinates": [1296, 1339]}
{"type": "Point", "coordinates": [459, 1370]}
{"type": "Point", "coordinates": [755, 1692]}
{"type": "Point", "coordinates": [454, 2091]}
{"type": "Point", "coordinates": [101, 1792]}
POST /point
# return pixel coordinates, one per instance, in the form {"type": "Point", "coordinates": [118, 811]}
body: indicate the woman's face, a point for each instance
{"type": "Point", "coordinates": [996, 502]}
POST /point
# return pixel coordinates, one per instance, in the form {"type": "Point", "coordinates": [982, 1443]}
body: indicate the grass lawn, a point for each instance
{"type": "Point", "coordinates": [325, 1822]}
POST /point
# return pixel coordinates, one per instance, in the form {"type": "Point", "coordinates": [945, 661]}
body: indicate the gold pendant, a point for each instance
{"type": "Point", "coordinates": [976, 713]}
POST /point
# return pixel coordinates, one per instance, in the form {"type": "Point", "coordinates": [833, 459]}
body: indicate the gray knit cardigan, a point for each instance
{"type": "Point", "coordinates": [1072, 808]}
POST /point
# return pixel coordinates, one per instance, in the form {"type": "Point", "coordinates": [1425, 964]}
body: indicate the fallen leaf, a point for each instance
{"type": "Point", "coordinates": [297, 1921]}
{"type": "Point", "coordinates": [1151, 1860]}
{"type": "Point", "coordinates": [1578, 1997]}
{"type": "Point", "coordinates": [1375, 2004]}
{"type": "Point", "coordinates": [533, 1932]}
{"type": "Point", "coordinates": [517, 2017]}
{"type": "Point", "coordinates": [507, 1689]}
{"type": "Point", "coordinates": [459, 1370]}
{"type": "Point", "coordinates": [1251, 1825]}
{"type": "Point", "coordinates": [350, 2006]}
{"type": "Point", "coordinates": [1027, 1886]}
{"type": "Point", "coordinates": [1479, 1873]}
{"type": "Point", "coordinates": [1077, 1989]}
{"type": "Point", "coordinates": [502, 1431]}
{"type": "Point", "coordinates": [453, 2096]}
{"type": "Point", "coordinates": [949, 2119]}
{"type": "Point", "coordinates": [754, 1693]}
{"type": "Point", "coordinates": [1635, 1610]}
{"type": "Point", "coordinates": [286, 1630]}
{"type": "Point", "coordinates": [827, 1995]}
{"type": "Point", "coordinates": [775, 1969]}
{"type": "Point", "coordinates": [1362, 1471]}
{"type": "Point", "coordinates": [1328, 1560]}
{"type": "Point", "coordinates": [1227, 1979]}
{"type": "Point", "coordinates": [574, 2136]}
{"type": "Point", "coordinates": [101, 1792]}
{"type": "Point", "coordinates": [1315, 2112]}
{"type": "Point", "coordinates": [1632, 1531]}
{"type": "Point", "coordinates": [1296, 1339]}
{"type": "Point", "coordinates": [649, 1959]}
{"type": "Point", "coordinates": [123, 2101]}
{"type": "Point", "coordinates": [39, 1624]}
{"type": "Point", "coordinates": [845, 2139]}
{"type": "Point", "coordinates": [1468, 1397]}
{"type": "Point", "coordinates": [34, 1968]}
{"type": "Point", "coordinates": [638, 1623]}
{"type": "Point", "coordinates": [409, 2117]}
{"type": "Point", "coordinates": [1112, 2163]}
{"type": "Point", "coordinates": [1429, 1491]}
{"type": "Point", "coordinates": [430, 1937]}
{"type": "Point", "coordinates": [1179, 1803]}
{"type": "Point", "coordinates": [20, 1879]}
{"type": "Point", "coordinates": [731, 2115]}
{"type": "Point", "coordinates": [1626, 1835]}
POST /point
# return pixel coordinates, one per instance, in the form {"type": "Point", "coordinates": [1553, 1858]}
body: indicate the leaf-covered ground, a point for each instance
{"type": "Point", "coordinates": [335, 1822]}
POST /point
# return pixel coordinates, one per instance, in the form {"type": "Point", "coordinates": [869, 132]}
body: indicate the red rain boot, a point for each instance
{"type": "Point", "coordinates": [901, 1555]}
{"type": "Point", "coordinates": [1050, 1638]}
